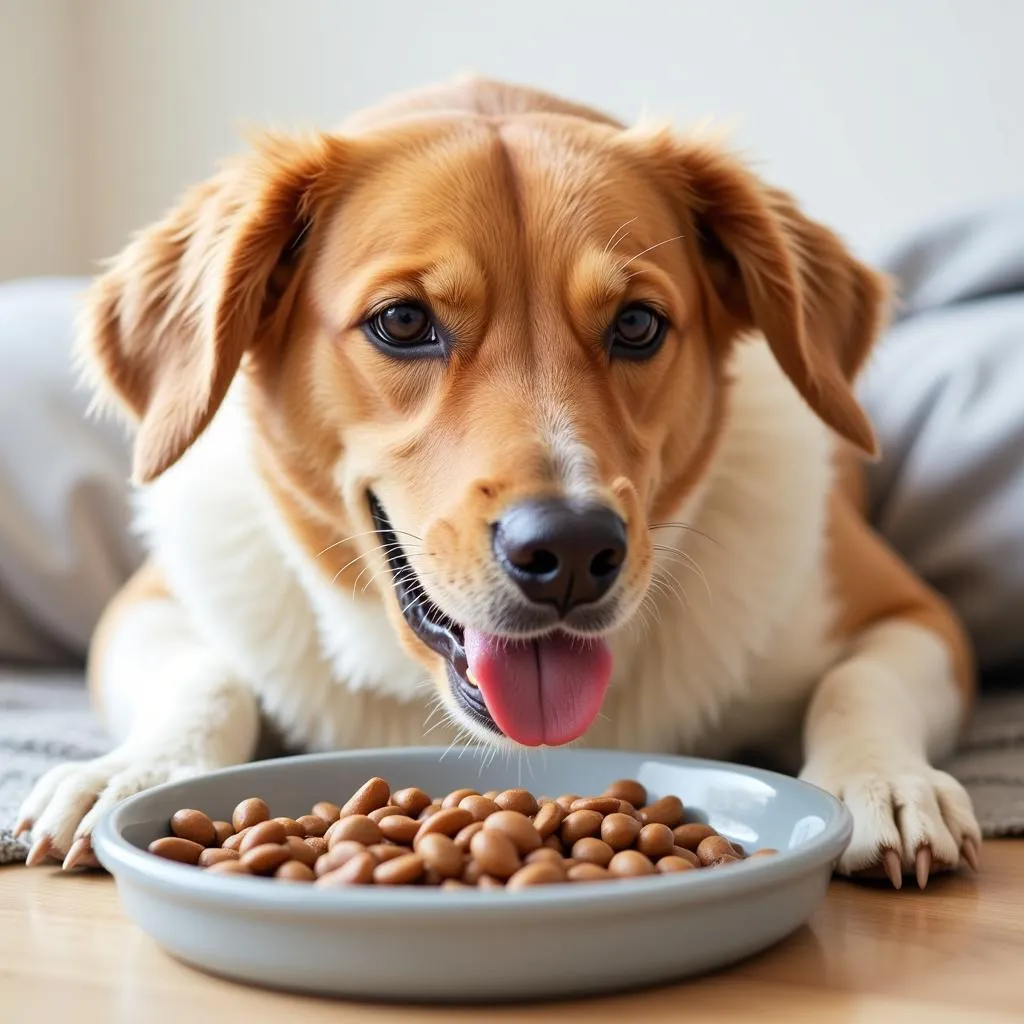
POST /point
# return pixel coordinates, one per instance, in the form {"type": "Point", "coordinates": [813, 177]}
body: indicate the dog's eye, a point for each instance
{"type": "Point", "coordinates": [637, 332]}
{"type": "Point", "coordinates": [404, 325]}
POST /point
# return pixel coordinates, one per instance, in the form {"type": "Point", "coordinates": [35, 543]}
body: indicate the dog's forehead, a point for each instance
{"type": "Point", "coordinates": [547, 188]}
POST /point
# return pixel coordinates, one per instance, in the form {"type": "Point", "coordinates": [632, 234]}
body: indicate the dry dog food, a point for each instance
{"type": "Point", "coordinates": [509, 839]}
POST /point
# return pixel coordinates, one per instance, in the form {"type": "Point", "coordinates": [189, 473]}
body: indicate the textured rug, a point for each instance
{"type": "Point", "coordinates": [45, 720]}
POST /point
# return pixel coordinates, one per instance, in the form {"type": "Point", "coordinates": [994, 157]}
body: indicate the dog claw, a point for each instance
{"type": "Point", "coordinates": [969, 851]}
{"type": "Point", "coordinates": [891, 863]}
{"type": "Point", "coordinates": [923, 865]}
{"type": "Point", "coordinates": [80, 855]}
{"type": "Point", "coordinates": [41, 850]}
{"type": "Point", "coordinates": [22, 827]}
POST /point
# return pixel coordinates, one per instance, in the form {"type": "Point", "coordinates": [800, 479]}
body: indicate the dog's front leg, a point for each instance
{"type": "Point", "coordinates": [173, 706]}
{"type": "Point", "coordinates": [874, 727]}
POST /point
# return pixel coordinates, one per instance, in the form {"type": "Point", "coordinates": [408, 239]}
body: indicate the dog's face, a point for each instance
{"type": "Point", "coordinates": [485, 360]}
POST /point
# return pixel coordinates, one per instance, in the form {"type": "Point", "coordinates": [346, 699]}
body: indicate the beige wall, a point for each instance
{"type": "Point", "coordinates": [878, 113]}
{"type": "Point", "coordinates": [41, 187]}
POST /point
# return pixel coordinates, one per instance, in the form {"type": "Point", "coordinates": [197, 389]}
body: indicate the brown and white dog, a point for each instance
{"type": "Point", "coordinates": [490, 405]}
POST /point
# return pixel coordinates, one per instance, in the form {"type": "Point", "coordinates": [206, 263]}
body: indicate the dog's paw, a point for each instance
{"type": "Point", "coordinates": [67, 801]}
{"type": "Point", "coordinates": [907, 820]}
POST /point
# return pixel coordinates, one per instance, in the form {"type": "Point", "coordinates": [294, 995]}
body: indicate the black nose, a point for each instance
{"type": "Point", "coordinates": [561, 554]}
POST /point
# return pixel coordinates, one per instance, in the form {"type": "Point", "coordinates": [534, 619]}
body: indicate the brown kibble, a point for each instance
{"type": "Point", "coordinates": [687, 855]}
{"type": "Point", "coordinates": [448, 822]}
{"type": "Point", "coordinates": [368, 797]}
{"type": "Point", "coordinates": [456, 796]}
{"type": "Point", "coordinates": [265, 859]}
{"type": "Point", "coordinates": [194, 826]}
{"type": "Point", "coordinates": [579, 825]}
{"type": "Point", "coordinates": [548, 818]}
{"type": "Point", "coordinates": [184, 851]}
{"type": "Point", "coordinates": [234, 841]}
{"type": "Point", "coordinates": [291, 827]}
{"type": "Point", "coordinates": [301, 851]}
{"type": "Point", "coordinates": [311, 825]}
{"type": "Point", "coordinates": [317, 844]}
{"type": "Point", "coordinates": [465, 835]}
{"type": "Point", "coordinates": [228, 867]}
{"type": "Point", "coordinates": [629, 790]}
{"type": "Point", "coordinates": [355, 827]}
{"type": "Point", "coordinates": [554, 842]}
{"type": "Point", "coordinates": [295, 871]}
{"type": "Point", "coordinates": [486, 882]}
{"type": "Point", "coordinates": [412, 801]}
{"type": "Point", "coordinates": [454, 883]}
{"type": "Point", "coordinates": [655, 841]}
{"type": "Point", "coordinates": [566, 800]}
{"type": "Point", "coordinates": [339, 854]}
{"type": "Point", "coordinates": [356, 871]}
{"type": "Point", "coordinates": [587, 872]}
{"type": "Point", "coordinates": [691, 835]}
{"type": "Point", "coordinates": [625, 807]}
{"type": "Point", "coordinates": [249, 812]}
{"type": "Point", "coordinates": [441, 855]}
{"type": "Point", "coordinates": [620, 830]}
{"type": "Point", "coordinates": [713, 848]}
{"type": "Point", "coordinates": [223, 829]}
{"type": "Point", "coordinates": [399, 828]}
{"type": "Point", "coordinates": [592, 851]}
{"type": "Point", "coordinates": [671, 864]}
{"type": "Point", "coordinates": [400, 871]}
{"type": "Point", "coordinates": [496, 853]}
{"type": "Point", "coordinates": [471, 873]}
{"type": "Point", "coordinates": [535, 874]}
{"type": "Point", "coordinates": [212, 856]}
{"type": "Point", "coordinates": [328, 811]}
{"type": "Point", "coordinates": [429, 811]}
{"type": "Point", "coordinates": [666, 811]}
{"type": "Point", "coordinates": [385, 812]}
{"type": "Point", "coordinates": [517, 827]}
{"type": "Point", "coordinates": [387, 851]}
{"type": "Point", "coordinates": [544, 854]}
{"type": "Point", "coordinates": [765, 851]}
{"type": "Point", "coordinates": [630, 864]}
{"type": "Point", "coordinates": [601, 804]}
{"type": "Point", "coordinates": [521, 800]}
{"type": "Point", "coordinates": [725, 860]}
{"type": "Point", "coordinates": [261, 834]}
{"type": "Point", "coordinates": [479, 806]}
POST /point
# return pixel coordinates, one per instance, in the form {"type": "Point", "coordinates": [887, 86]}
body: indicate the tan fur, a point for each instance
{"type": "Point", "coordinates": [146, 584]}
{"type": "Point", "coordinates": [874, 585]}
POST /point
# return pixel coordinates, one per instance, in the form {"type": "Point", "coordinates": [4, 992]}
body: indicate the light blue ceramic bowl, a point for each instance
{"type": "Point", "coordinates": [429, 945]}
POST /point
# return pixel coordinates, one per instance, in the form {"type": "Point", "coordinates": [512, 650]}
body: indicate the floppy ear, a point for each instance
{"type": "Point", "coordinates": [793, 280]}
{"type": "Point", "coordinates": [164, 329]}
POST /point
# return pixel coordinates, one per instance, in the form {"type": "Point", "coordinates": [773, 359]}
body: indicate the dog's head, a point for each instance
{"type": "Point", "coordinates": [484, 357]}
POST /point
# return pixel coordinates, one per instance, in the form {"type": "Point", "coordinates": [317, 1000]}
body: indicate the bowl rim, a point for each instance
{"type": "Point", "coordinates": [254, 896]}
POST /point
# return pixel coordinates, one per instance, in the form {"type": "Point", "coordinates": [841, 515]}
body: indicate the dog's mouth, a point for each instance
{"type": "Point", "coordinates": [540, 691]}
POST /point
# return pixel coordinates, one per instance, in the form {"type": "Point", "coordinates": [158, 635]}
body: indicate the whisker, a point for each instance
{"type": "Point", "coordinates": [367, 533]}
{"type": "Point", "coordinates": [687, 527]}
{"type": "Point", "coordinates": [614, 240]}
{"type": "Point", "coordinates": [657, 245]}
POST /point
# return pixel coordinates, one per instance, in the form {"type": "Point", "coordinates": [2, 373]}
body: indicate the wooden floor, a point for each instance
{"type": "Point", "coordinates": [952, 953]}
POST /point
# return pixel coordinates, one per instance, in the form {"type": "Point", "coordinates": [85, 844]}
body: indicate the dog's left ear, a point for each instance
{"type": "Point", "coordinates": [774, 270]}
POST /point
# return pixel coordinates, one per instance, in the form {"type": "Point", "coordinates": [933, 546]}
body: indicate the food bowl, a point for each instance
{"type": "Point", "coordinates": [425, 944]}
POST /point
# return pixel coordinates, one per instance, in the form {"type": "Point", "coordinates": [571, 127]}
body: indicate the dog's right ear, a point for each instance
{"type": "Point", "coordinates": [164, 329]}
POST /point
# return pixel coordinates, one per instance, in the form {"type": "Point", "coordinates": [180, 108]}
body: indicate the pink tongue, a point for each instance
{"type": "Point", "coordinates": [541, 691]}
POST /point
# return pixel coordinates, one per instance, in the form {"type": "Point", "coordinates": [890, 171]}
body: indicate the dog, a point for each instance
{"type": "Point", "coordinates": [489, 418]}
